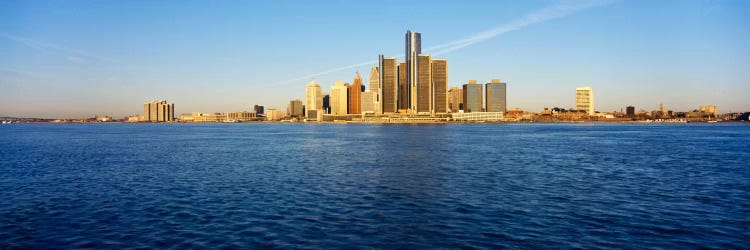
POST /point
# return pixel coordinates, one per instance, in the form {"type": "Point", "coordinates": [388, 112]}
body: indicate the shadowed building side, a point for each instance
{"type": "Point", "coordinates": [424, 84]}
{"type": "Point", "coordinates": [472, 97]}
{"type": "Point", "coordinates": [440, 85]}
{"type": "Point", "coordinates": [389, 83]}
{"type": "Point", "coordinates": [495, 96]}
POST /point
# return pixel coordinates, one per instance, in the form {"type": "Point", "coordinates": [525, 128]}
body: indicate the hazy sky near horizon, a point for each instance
{"type": "Point", "coordinates": [86, 58]}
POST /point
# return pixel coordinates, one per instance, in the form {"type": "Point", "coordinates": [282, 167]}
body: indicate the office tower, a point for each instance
{"type": "Point", "coordinates": [355, 95]}
{"type": "Point", "coordinates": [367, 103]}
{"type": "Point", "coordinates": [375, 88]}
{"type": "Point", "coordinates": [403, 87]}
{"type": "Point", "coordinates": [158, 111]}
{"type": "Point", "coordinates": [440, 85]}
{"type": "Point", "coordinates": [424, 84]}
{"type": "Point", "coordinates": [295, 108]}
{"type": "Point", "coordinates": [413, 49]}
{"type": "Point", "coordinates": [389, 84]}
{"type": "Point", "coordinates": [585, 100]}
{"type": "Point", "coordinates": [348, 86]}
{"type": "Point", "coordinates": [472, 97]}
{"type": "Point", "coordinates": [630, 111]}
{"type": "Point", "coordinates": [338, 98]}
{"type": "Point", "coordinates": [495, 96]}
{"type": "Point", "coordinates": [455, 99]}
{"type": "Point", "coordinates": [326, 103]}
{"type": "Point", "coordinates": [258, 109]}
{"type": "Point", "coordinates": [313, 97]}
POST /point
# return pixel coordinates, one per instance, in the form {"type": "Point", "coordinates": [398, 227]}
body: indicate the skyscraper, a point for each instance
{"type": "Point", "coordinates": [367, 103]}
{"type": "Point", "coordinates": [472, 97]}
{"type": "Point", "coordinates": [440, 85]}
{"type": "Point", "coordinates": [585, 99]}
{"type": "Point", "coordinates": [455, 99]}
{"type": "Point", "coordinates": [375, 88]}
{"type": "Point", "coordinates": [326, 103]}
{"type": "Point", "coordinates": [424, 84]}
{"type": "Point", "coordinates": [495, 96]}
{"type": "Point", "coordinates": [403, 87]}
{"type": "Point", "coordinates": [295, 108]}
{"type": "Point", "coordinates": [313, 98]}
{"type": "Point", "coordinates": [413, 49]}
{"type": "Point", "coordinates": [389, 84]}
{"type": "Point", "coordinates": [338, 98]}
{"type": "Point", "coordinates": [355, 95]}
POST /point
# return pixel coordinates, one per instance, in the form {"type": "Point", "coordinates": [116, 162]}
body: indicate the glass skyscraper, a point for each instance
{"type": "Point", "coordinates": [495, 96]}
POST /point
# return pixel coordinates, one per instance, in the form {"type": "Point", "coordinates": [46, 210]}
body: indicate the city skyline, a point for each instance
{"type": "Point", "coordinates": [58, 70]}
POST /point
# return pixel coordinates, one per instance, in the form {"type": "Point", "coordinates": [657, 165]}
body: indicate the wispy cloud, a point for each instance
{"type": "Point", "coordinates": [73, 55]}
{"type": "Point", "coordinates": [556, 11]}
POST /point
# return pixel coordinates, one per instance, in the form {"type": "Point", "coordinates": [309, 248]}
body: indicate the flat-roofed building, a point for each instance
{"type": "Point", "coordinates": [440, 85]}
{"type": "Point", "coordinates": [424, 84]}
{"type": "Point", "coordinates": [403, 87]}
{"type": "Point", "coordinates": [472, 97]}
{"type": "Point", "coordinates": [455, 99]}
{"type": "Point", "coordinates": [295, 108]}
{"type": "Point", "coordinates": [241, 116]}
{"type": "Point", "coordinates": [585, 100]}
{"type": "Point", "coordinates": [389, 84]}
{"type": "Point", "coordinates": [355, 95]}
{"type": "Point", "coordinates": [367, 103]}
{"type": "Point", "coordinates": [338, 99]}
{"type": "Point", "coordinates": [275, 114]}
{"type": "Point", "coordinates": [375, 88]}
{"type": "Point", "coordinates": [495, 96]}
{"type": "Point", "coordinates": [158, 111]}
{"type": "Point", "coordinates": [313, 97]}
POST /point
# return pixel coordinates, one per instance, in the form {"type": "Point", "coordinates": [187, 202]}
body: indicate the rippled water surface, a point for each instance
{"type": "Point", "coordinates": [382, 186]}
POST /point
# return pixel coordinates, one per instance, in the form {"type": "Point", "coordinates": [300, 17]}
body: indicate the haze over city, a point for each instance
{"type": "Point", "coordinates": [79, 59]}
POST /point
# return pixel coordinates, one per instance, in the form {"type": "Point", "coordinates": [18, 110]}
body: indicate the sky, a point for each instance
{"type": "Point", "coordinates": [61, 59]}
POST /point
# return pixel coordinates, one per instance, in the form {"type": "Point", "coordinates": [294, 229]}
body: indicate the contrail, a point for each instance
{"type": "Point", "coordinates": [74, 54]}
{"type": "Point", "coordinates": [556, 11]}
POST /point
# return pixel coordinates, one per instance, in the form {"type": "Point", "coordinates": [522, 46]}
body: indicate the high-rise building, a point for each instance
{"type": "Point", "coordinates": [313, 97]}
{"type": "Point", "coordinates": [389, 84]}
{"type": "Point", "coordinates": [455, 99]}
{"type": "Point", "coordinates": [355, 95]}
{"type": "Point", "coordinates": [403, 87]}
{"type": "Point", "coordinates": [338, 98]}
{"type": "Point", "coordinates": [472, 97]}
{"type": "Point", "coordinates": [413, 49]}
{"type": "Point", "coordinates": [495, 96]}
{"type": "Point", "coordinates": [585, 100]}
{"type": "Point", "coordinates": [367, 104]}
{"type": "Point", "coordinates": [158, 111]}
{"type": "Point", "coordinates": [375, 88]}
{"type": "Point", "coordinates": [258, 109]}
{"type": "Point", "coordinates": [440, 85]}
{"type": "Point", "coordinates": [295, 108]}
{"type": "Point", "coordinates": [630, 111]}
{"type": "Point", "coordinates": [326, 103]}
{"type": "Point", "coordinates": [424, 84]}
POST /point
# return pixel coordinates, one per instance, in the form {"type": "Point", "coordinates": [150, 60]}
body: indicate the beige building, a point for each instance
{"type": "Point", "coordinates": [389, 83]}
{"type": "Point", "coordinates": [367, 103]}
{"type": "Point", "coordinates": [403, 88]}
{"type": "Point", "coordinates": [424, 84]}
{"type": "Point", "coordinates": [440, 85]}
{"type": "Point", "coordinates": [585, 100]}
{"type": "Point", "coordinates": [215, 117]}
{"type": "Point", "coordinates": [710, 109]}
{"type": "Point", "coordinates": [313, 97]}
{"type": "Point", "coordinates": [275, 114]}
{"type": "Point", "coordinates": [242, 116]}
{"type": "Point", "coordinates": [355, 95]}
{"type": "Point", "coordinates": [158, 111]}
{"type": "Point", "coordinates": [338, 99]}
{"type": "Point", "coordinates": [455, 99]}
{"type": "Point", "coordinates": [375, 88]}
{"type": "Point", "coordinates": [295, 108]}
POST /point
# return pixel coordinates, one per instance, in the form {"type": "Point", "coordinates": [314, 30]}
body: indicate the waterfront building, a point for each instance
{"type": "Point", "coordinates": [630, 111]}
{"type": "Point", "coordinates": [403, 87]}
{"type": "Point", "coordinates": [455, 99]}
{"type": "Point", "coordinates": [472, 97]}
{"type": "Point", "coordinates": [326, 103]}
{"type": "Point", "coordinates": [440, 85]}
{"type": "Point", "coordinates": [258, 110]}
{"type": "Point", "coordinates": [495, 96]}
{"type": "Point", "coordinates": [585, 100]}
{"type": "Point", "coordinates": [355, 95]}
{"type": "Point", "coordinates": [313, 97]}
{"type": "Point", "coordinates": [389, 83]}
{"type": "Point", "coordinates": [367, 103]}
{"type": "Point", "coordinates": [215, 117]}
{"type": "Point", "coordinates": [241, 116]}
{"type": "Point", "coordinates": [158, 111]}
{"type": "Point", "coordinates": [711, 110]}
{"type": "Point", "coordinates": [275, 114]}
{"type": "Point", "coordinates": [478, 116]}
{"type": "Point", "coordinates": [375, 88]}
{"type": "Point", "coordinates": [413, 50]}
{"type": "Point", "coordinates": [295, 108]}
{"type": "Point", "coordinates": [424, 85]}
{"type": "Point", "coordinates": [338, 99]}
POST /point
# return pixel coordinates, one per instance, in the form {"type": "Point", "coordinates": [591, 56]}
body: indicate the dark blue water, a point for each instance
{"type": "Point", "coordinates": [382, 186]}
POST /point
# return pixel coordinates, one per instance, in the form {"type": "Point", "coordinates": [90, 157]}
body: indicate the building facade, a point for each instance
{"type": "Point", "coordinates": [440, 85]}
{"type": "Point", "coordinates": [424, 84]}
{"type": "Point", "coordinates": [158, 111]}
{"type": "Point", "coordinates": [366, 103]}
{"type": "Point", "coordinates": [403, 87]}
{"type": "Point", "coordinates": [455, 99]}
{"type": "Point", "coordinates": [296, 108]}
{"type": "Point", "coordinates": [275, 114]}
{"type": "Point", "coordinates": [338, 99]}
{"type": "Point", "coordinates": [585, 100]}
{"type": "Point", "coordinates": [472, 97]}
{"type": "Point", "coordinates": [389, 84]}
{"type": "Point", "coordinates": [313, 97]}
{"type": "Point", "coordinates": [355, 95]}
{"type": "Point", "coordinates": [413, 48]}
{"type": "Point", "coordinates": [258, 110]}
{"type": "Point", "coordinates": [375, 88]}
{"type": "Point", "coordinates": [495, 96]}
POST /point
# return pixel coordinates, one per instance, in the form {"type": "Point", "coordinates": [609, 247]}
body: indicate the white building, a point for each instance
{"type": "Point", "coordinates": [585, 99]}
{"type": "Point", "coordinates": [275, 114]}
{"type": "Point", "coordinates": [338, 99]}
{"type": "Point", "coordinates": [313, 97]}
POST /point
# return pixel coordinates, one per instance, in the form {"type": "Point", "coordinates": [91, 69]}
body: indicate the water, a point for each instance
{"type": "Point", "coordinates": [382, 186]}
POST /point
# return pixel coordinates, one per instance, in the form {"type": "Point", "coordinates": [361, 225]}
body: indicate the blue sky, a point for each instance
{"type": "Point", "coordinates": [86, 58]}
